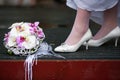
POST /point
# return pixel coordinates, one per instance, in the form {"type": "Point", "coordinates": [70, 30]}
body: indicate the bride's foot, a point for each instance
{"type": "Point", "coordinates": [109, 28]}
{"type": "Point", "coordinates": [75, 36]}
{"type": "Point", "coordinates": [72, 48]}
{"type": "Point", "coordinates": [103, 32]}
{"type": "Point", "coordinates": [115, 33]}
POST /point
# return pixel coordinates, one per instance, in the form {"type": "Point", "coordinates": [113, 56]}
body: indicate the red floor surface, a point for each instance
{"type": "Point", "coordinates": [63, 70]}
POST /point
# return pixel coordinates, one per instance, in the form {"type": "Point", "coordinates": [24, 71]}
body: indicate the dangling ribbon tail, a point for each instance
{"type": "Point", "coordinates": [44, 50]}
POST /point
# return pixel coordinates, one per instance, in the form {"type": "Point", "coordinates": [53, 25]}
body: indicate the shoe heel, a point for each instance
{"type": "Point", "coordinates": [87, 45]}
{"type": "Point", "coordinates": [116, 41]}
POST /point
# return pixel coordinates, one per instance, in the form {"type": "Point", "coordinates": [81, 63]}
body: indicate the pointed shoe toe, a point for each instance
{"type": "Point", "coordinates": [59, 49]}
{"type": "Point", "coordinates": [65, 48]}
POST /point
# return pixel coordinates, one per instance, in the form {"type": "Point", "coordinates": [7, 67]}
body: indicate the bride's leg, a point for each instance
{"type": "Point", "coordinates": [110, 22]}
{"type": "Point", "coordinates": [80, 26]}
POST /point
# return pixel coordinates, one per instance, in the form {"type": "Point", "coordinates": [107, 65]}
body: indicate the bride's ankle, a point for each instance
{"type": "Point", "coordinates": [104, 31]}
{"type": "Point", "coordinates": [75, 37]}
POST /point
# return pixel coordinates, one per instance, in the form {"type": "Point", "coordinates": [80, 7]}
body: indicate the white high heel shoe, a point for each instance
{"type": "Point", "coordinates": [72, 48]}
{"type": "Point", "coordinates": [115, 33]}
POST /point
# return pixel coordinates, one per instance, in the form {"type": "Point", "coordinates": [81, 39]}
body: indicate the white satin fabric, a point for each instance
{"type": "Point", "coordinates": [96, 7]}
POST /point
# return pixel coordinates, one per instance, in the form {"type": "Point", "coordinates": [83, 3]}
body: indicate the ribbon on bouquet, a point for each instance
{"type": "Point", "coordinates": [44, 50]}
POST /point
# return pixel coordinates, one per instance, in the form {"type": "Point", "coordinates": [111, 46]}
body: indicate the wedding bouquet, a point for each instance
{"type": "Point", "coordinates": [24, 38]}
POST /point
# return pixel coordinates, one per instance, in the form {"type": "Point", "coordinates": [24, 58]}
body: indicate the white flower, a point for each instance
{"type": "Point", "coordinates": [30, 42]}
{"type": "Point", "coordinates": [15, 24]}
{"type": "Point", "coordinates": [14, 32]}
{"type": "Point", "coordinates": [26, 31]}
{"type": "Point", "coordinates": [20, 30]}
{"type": "Point", "coordinates": [11, 41]}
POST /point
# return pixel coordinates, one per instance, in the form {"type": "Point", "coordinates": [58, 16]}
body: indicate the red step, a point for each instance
{"type": "Point", "coordinates": [62, 70]}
